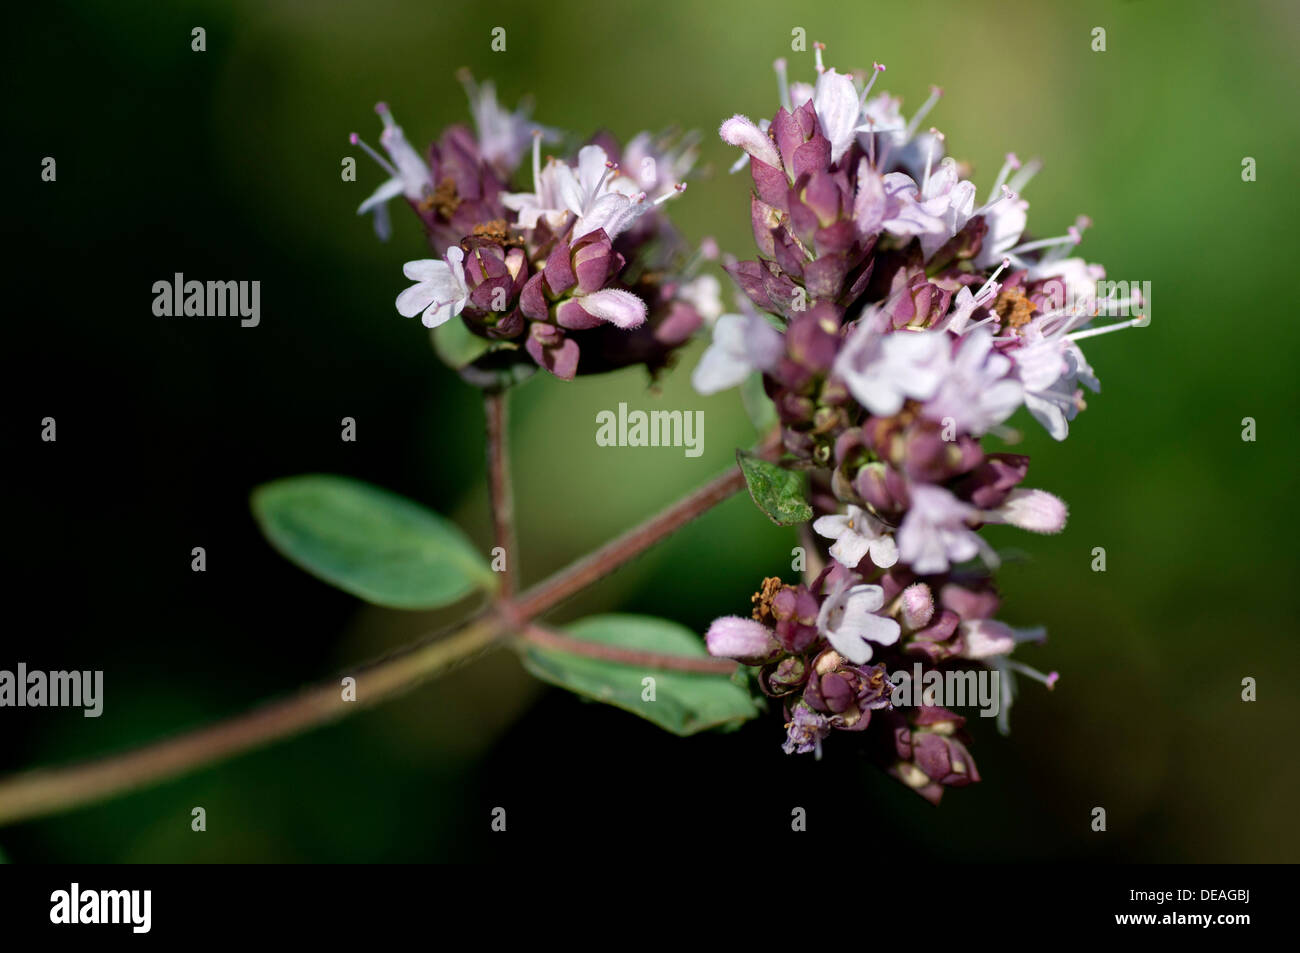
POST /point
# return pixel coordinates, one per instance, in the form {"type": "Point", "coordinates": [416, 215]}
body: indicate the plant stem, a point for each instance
{"type": "Point", "coordinates": [44, 791]}
{"type": "Point", "coordinates": [49, 790]}
{"type": "Point", "coordinates": [548, 639]}
{"type": "Point", "coordinates": [499, 487]}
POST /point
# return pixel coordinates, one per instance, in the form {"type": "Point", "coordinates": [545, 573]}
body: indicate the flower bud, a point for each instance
{"type": "Point", "coordinates": [917, 606]}
{"type": "Point", "coordinates": [741, 639]}
{"type": "Point", "coordinates": [1035, 510]}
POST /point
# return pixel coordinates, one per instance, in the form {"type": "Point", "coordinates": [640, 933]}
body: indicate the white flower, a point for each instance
{"type": "Point", "coordinates": [935, 532]}
{"type": "Point", "coordinates": [439, 290]}
{"type": "Point", "coordinates": [503, 136]}
{"type": "Point", "coordinates": [544, 201]}
{"type": "Point", "coordinates": [741, 345]}
{"type": "Point", "coordinates": [848, 621]}
{"type": "Point", "coordinates": [410, 173]}
{"type": "Point", "coordinates": [857, 533]}
{"type": "Point", "coordinates": [1051, 367]}
{"type": "Point", "coordinates": [890, 203]}
{"type": "Point", "coordinates": [951, 199]}
{"type": "Point", "coordinates": [1006, 220]}
{"type": "Point", "coordinates": [882, 370]}
{"type": "Point", "coordinates": [658, 165]}
{"type": "Point", "coordinates": [704, 294]}
{"type": "Point", "coordinates": [596, 194]}
{"type": "Point", "coordinates": [976, 394]}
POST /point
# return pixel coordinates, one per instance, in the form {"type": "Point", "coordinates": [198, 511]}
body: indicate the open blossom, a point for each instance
{"type": "Point", "coordinates": [596, 194]}
{"type": "Point", "coordinates": [857, 533]}
{"type": "Point", "coordinates": [948, 198]}
{"type": "Point", "coordinates": [936, 532]}
{"type": "Point", "coordinates": [883, 370]}
{"type": "Point", "coordinates": [439, 290]}
{"type": "Point", "coordinates": [977, 392]}
{"type": "Point", "coordinates": [805, 731]}
{"type": "Point", "coordinates": [848, 620]}
{"type": "Point", "coordinates": [504, 137]}
{"type": "Point", "coordinates": [1050, 368]}
{"type": "Point", "coordinates": [891, 203]}
{"type": "Point", "coordinates": [409, 174]}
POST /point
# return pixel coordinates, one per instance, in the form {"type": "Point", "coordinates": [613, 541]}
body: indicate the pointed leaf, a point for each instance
{"type": "Point", "coordinates": [776, 491]}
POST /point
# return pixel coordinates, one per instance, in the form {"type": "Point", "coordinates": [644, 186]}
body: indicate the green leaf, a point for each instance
{"type": "Point", "coordinates": [380, 547]}
{"type": "Point", "coordinates": [776, 491]}
{"type": "Point", "coordinates": [758, 406]}
{"type": "Point", "coordinates": [684, 702]}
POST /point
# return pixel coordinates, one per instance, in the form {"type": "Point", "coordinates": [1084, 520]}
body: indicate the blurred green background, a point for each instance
{"type": "Point", "coordinates": [225, 164]}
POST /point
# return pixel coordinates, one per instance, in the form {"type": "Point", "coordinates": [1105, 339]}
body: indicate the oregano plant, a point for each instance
{"type": "Point", "coordinates": [891, 323]}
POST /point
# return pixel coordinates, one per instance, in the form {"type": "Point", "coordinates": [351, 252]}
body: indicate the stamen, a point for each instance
{"type": "Point", "coordinates": [678, 189]}
{"type": "Point", "coordinates": [1071, 237]}
{"type": "Point", "coordinates": [1027, 172]}
{"type": "Point", "coordinates": [992, 283]}
{"type": "Point", "coordinates": [385, 114]}
{"type": "Point", "coordinates": [929, 157]}
{"type": "Point", "coordinates": [935, 94]}
{"type": "Point", "coordinates": [988, 207]}
{"type": "Point", "coordinates": [1049, 680]}
{"type": "Point", "coordinates": [876, 70]}
{"type": "Point", "coordinates": [383, 163]}
{"type": "Point", "coordinates": [1008, 167]}
{"type": "Point", "coordinates": [818, 47]}
{"type": "Point", "coordinates": [610, 166]}
{"type": "Point", "coordinates": [1138, 322]}
{"type": "Point", "coordinates": [783, 84]}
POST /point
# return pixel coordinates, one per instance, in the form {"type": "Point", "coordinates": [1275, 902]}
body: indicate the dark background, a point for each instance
{"type": "Point", "coordinates": [225, 165]}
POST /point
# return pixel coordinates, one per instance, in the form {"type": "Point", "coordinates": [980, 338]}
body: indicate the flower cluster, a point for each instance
{"type": "Point", "coordinates": [895, 321]}
{"type": "Point", "coordinates": [581, 274]}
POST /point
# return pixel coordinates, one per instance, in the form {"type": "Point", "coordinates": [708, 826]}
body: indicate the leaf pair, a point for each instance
{"type": "Point", "coordinates": [390, 551]}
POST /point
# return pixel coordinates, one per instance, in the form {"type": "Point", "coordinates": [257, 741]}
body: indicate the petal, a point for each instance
{"type": "Point", "coordinates": [832, 527]}
{"type": "Point", "coordinates": [836, 101]}
{"type": "Point", "coordinates": [426, 269]}
{"type": "Point", "coordinates": [850, 548]}
{"type": "Point", "coordinates": [718, 370]}
{"type": "Point", "coordinates": [568, 189]}
{"type": "Point", "coordinates": [389, 190]}
{"type": "Point", "coordinates": [884, 551]}
{"type": "Point", "coordinates": [415, 299]}
{"type": "Point", "coordinates": [591, 167]}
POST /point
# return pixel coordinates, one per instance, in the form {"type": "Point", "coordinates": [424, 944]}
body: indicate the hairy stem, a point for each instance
{"type": "Point", "coordinates": [44, 791]}
{"type": "Point", "coordinates": [49, 790]}
{"type": "Point", "coordinates": [499, 487]}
